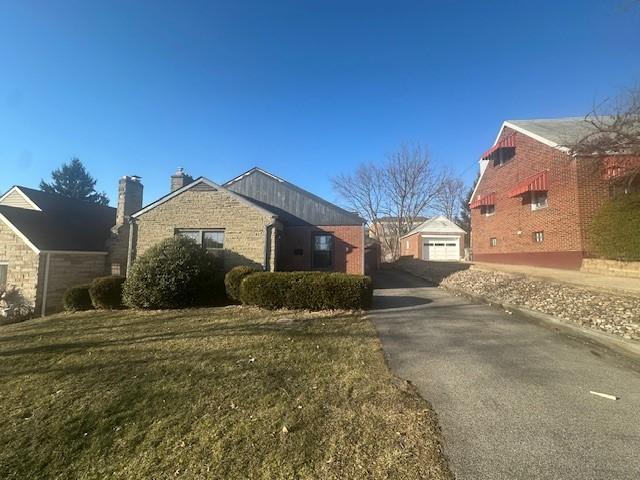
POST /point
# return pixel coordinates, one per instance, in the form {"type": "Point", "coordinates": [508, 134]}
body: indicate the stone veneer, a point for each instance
{"type": "Point", "coordinates": [204, 207]}
{"type": "Point", "coordinates": [22, 272]}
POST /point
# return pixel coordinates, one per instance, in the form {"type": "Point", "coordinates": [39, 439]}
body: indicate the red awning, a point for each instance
{"type": "Point", "coordinates": [489, 199]}
{"type": "Point", "coordinates": [534, 183]}
{"type": "Point", "coordinates": [618, 167]}
{"type": "Point", "coordinates": [506, 142]}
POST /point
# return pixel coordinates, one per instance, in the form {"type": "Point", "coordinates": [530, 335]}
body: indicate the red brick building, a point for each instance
{"type": "Point", "coordinates": [534, 201]}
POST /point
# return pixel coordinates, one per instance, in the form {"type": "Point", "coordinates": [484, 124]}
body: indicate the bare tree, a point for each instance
{"type": "Point", "coordinates": [392, 196]}
{"type": "Point", "coordinates": [613, 136]}
{"type": "Point", "coordinates": [450, 199]}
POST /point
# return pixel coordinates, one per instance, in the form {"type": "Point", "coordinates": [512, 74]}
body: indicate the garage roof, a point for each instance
{"type": "Point", "coordinates": [439, 224]}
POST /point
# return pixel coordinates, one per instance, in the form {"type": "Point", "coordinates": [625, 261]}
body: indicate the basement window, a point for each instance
{"type": "Point", "coordinates": [538, 237]}
{"type": "Point", "coordinates": [4, 270]}
{"type": "Point", "coordinates": [493, 241]}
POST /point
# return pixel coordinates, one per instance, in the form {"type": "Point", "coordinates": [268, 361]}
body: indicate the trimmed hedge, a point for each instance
{"type": "Point", "coordinates": [307, 290]}
{"type": "Point", "coordinates": [615, 229]}
{"type": "Point", "coordinates": [174, 273]}
{"type": "Point", "coordinates": [106, 292]}
{"type": "Point", "coordinates": [232, 281]}
{"type": "Point", "coordinates": [76, 299]}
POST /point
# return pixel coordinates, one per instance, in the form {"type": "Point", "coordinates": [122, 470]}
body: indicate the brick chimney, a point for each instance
{"type": "Point", "coordinates": [180, 179]}
{"type": "Point", "coordinates": [129, 198]}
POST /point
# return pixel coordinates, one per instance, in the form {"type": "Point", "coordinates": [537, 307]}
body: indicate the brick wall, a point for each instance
{"type": "Point", "coordinates": [348, 248]}
{"type": "Point", "coordinates": [515, 222]}
{"type": "Point", "coordinates": [243, 224]}
{"type": "Point", "coordinates": [69, 269]}
{"type": "Point", "coordinates": [22, 271]}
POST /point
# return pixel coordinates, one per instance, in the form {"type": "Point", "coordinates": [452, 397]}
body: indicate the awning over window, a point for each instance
{"type": "Point", "coordinates": [489, 199]}
{"type": "Point", "coordinates": [507, 142]}
{"type": "Point", "coordinates": [534, 183]}
{"type": "Point", "coordinates": [619, 167]}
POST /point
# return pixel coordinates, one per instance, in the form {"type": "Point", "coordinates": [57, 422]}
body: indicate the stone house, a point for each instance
{"type": "Point", "coordinates": [48, 242]}
{"type": "Point", "coordinates": [535, 201]}
{"type": "Point", "coordinates": [435, 239]}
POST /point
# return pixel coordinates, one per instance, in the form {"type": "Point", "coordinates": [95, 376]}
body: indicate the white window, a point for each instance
{"type": "Point", "coordinates": [407, 244]}
{"type": "Point", "coordinates": [212, 240]}
{"type": "Point", "coordinates": [538, 200]}
{"type": "Point", "coordinates": [4, 270]}
{"type": "Point", "coordinates": [538, 237]}
{"type": "Point", "coordinates": [488, 210]}
{"type": "Point", "coordinates": [493, 241]}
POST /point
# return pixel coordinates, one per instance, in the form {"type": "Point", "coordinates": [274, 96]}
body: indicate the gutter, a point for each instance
{"type": "Point", "coordinates": [266, 258]}
{"type": "Point", "coordinates": [45, 287]}
{"type": "Point", "coordinates": [132, 226]}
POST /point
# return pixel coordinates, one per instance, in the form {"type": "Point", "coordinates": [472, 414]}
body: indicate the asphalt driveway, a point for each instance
{"type": "Point", "coordinates": [512, 396]}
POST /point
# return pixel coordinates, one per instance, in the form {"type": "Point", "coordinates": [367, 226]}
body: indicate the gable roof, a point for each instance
{"type": "Point", "coordinates": [439, 224]}
{"type": "Point", "coordinates": [59, 223]}
{"type": "Point", "coordinates": [295, 206]}
{"type": "Point", "coordinates": [195, 184]}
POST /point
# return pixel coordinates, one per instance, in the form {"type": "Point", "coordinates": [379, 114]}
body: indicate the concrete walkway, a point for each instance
{"type": "Point", "coordinates": [512, 396]}
{"type": "Point", "coordinates": [624, 285]}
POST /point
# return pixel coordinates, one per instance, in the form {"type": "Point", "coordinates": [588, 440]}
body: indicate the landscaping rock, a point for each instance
{"type": "Point", "coordinates": [615, 314]}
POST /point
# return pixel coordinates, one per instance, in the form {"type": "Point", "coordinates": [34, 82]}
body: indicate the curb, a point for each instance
{"type": "Point", "coordinates": [607, 340]}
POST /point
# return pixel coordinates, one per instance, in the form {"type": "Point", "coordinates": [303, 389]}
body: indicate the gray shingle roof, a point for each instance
{"type": "Point", "coordinates": [63, 224]}
{"type": "Point", "coordinates": [562, 131]}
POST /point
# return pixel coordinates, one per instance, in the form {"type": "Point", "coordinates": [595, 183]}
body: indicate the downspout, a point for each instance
{"type": "Point", "coordinates": [45, 287]}
{"type": "Point", "coordinates": [132, 226]}
{"type": "Point", "coordinates": [267, 253]}
{"type": "Point", "coordinates": [364, 270]}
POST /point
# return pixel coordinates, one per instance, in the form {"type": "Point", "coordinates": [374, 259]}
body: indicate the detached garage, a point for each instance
{"type": "Point", "coordinates": [436, 239]}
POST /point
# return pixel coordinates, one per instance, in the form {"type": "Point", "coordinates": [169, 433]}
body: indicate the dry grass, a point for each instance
{"type": "Point", "coordinates": [206, 394]}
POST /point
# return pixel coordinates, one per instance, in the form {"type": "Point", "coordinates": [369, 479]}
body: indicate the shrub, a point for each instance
{"type": "Point", "coordinates": [306, 290]}
{"type": "Point", "coordinates": [175, 273]}
{"type": "Point", "coordinates": [77, 298]}
{"type": "Point", "coordinates": [614, 230]}
{"type": "Point", "coordinates": [13, 306]}
{"type": "Point", "coordinates": [232, 281]}
{"type": "Point", "coordinates": [106, 292]}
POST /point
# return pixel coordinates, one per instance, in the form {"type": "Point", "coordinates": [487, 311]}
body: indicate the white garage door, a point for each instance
{"type": "Point", "coordinates": [441, 249]}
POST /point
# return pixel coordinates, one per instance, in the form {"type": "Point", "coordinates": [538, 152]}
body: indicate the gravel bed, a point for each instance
{"type": "Point", "coordinates": [616, 314]}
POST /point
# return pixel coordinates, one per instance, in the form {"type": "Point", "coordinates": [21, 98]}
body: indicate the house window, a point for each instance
{"type": "Point", "coordinates": [4, 270]}
{"type": "Point", "coordinates": [538, 200]}
{"type": "Point", "coordinates": [212, 240]}
{"type": "Point", "coordinates": [493, 241]}
{"type": "Point", "coordinates": [538, 237]}
{"type": "Point", "coordinates": [116, 269]}
{"type": "Point", "coordinates": [488, 210]}
{"type": "Point", "coordinates": [502, 156]}
{"type": "Point", "coordinates": [322, 251]}
{"type": "Point", "coordinates": [407, 244]}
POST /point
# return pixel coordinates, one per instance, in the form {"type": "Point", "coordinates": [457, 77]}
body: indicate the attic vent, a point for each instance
{"type": "Point", "coordinates": [203, 187]}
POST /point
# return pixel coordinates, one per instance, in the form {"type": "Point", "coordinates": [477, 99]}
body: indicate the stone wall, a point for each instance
{"type": "Point", "coordinates": [69, 269]}
{"type": "Point", "coordinates": [22, 271]}
{"type": "Point", "coordinates": [204, 207]}
{"type": "Point", "coordinates": [611, 267]}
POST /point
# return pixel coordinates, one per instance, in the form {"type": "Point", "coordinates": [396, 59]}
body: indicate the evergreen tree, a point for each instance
{"type": "Point", "coordinates": [72, 180]}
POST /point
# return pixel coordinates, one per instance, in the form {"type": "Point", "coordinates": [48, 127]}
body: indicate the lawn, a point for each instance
{"type": "Point", "coordinates": [208, 393]}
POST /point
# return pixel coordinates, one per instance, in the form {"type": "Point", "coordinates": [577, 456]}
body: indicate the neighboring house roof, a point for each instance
{"type": "Point", "coordinates": [439, 224]}
{"type": "Point", "coordinates": [199, 183]}
{"type": "Point", "coordinates": [59, 223]}
{"type": "Point", "coordinates": [395, 219]}
{"type": "Point", "coordinates": [293, 205]}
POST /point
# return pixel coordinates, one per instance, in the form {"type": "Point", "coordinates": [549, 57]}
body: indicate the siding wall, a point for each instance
{"type": "Point", "coordinates": [412, 245]}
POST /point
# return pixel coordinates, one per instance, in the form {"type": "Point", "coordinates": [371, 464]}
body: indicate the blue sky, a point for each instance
{"type": "Point", "coordinates": [304, 89]}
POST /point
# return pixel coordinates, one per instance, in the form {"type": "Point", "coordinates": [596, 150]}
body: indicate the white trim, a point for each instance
{"type": "Point", "coordinates": [75, 252]}
{"type": "Point", "coordinates": [45, 287]}
{"type": "Point", "coordinates": [19, 233]}
{"type": "Point", "coordinates": [198, 181]}
{"type": "Point", "coordinates": [24, 195]}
